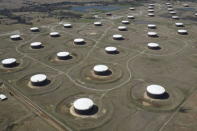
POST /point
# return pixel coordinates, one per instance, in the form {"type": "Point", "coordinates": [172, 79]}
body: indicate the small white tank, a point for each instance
{"type": "Point", "coordinates": [100, 69]}
{"type": "Point", "coordinates": [111, 50]}
{"type": "Point", "coordinates": [97, 23]}
{"type": "Point", "coordinates": [182, 31]}
{"type": "Point", "coordinates": [117, 37]}
{"type": "Point", "coordinates": [151, 14]}
{"type": "Point", "coordinates": [83, 106]}
{"type": "Point", "coordinates": [36, 45]}
{"type": "Point", "coordinates": [67, 25]}
{"type": "Point", "coordinates": [63, 55]}
{"type": "Point", "coordinates": [79, 41]}
{"type": "Point", "coordinates": [125, 22]}
{"type": "Point", "coordinates": [9, 62]}
{"type": "Point", "coordinates": [130, 17]}
{"type": "Point", "coordinates": [15, 37]}
{"type": "Point", "coordinates": [152, 34]}
{"type": "Point", "coordinates": [155, 91]}
{"type": "Point", "coordinates": [175, 17]}
{"type": "Point", "coordinates": [151, 10]}
{"type": "Point", "coordinates": [54, 34]}
{"type": "Point", "coordinates": [38, 79]}
{"type": "Point", "coordinates": [122, 28]}
{"type": "Point", "coordinates": [152, 26]}
{"type": "Point", "coordinates": [34, 29]}
{"type": "Point", "coordinates": [179, 24]}
{"type": "Point", "coordinates": [153, 45]}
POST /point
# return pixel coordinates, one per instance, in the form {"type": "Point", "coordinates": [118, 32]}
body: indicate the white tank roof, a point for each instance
{"type": "Point", "coordinates": [83, 104]}
{"type": "Point", "coordinates": [151, 4]}
{"type": "Point", "coordinates": [150, 10]}
{"type": "Point", "coordinates": [110, 49]}
{"type": "Point", "coordinates": [170, 9]}
{"type": "Point", "coordinates": [3, 97]}
{"type": "Point", "coordinates": [151, 25]}
{"type": "Point", "coordinates": [100, 68]}
{"type": "Point", "coordinates": [151, 14]}
{"type": "Point", "coordinates": [117, 36]}
{"type": "Point", "coordinates": [175, 17]}
{"type": "Point", "coordinates": [195, 14]}
{"type": "Point", "coordinates": [15, 36]}
{"type": "Point", "coordinates": [169, 5]}
{"type": "Point", "coordinates": [186, 5]}
{"type": "Point", "coordinates": [172, 12]}
{"type": "Point", "coordinates": [38, 78]}
{"type": "Point", "coordinates": [155, 89]}
{"type": "Point", "coordinates": [130, 17]}
{"type": "Point", "coordinates": [79, 40]}
{"type": "Point", "coordinates": [132, 8]}
{"type": "Point", "coordinates": [8, 61]}
{"type": "Point", "coordinates": [63, 54]}
{"type": "Point", "coordinates": [153, 45]}
{"type": "Point", "coordinates": [152, 33]}
{"type": "Point", "coordinates": [54, 33]}
{"type": "Point", "coordinates": [36, 44]}
{"type": "Point", "coordinates": [67, 25]}
{"type": "Point", "coordinates": [182, 31]}
{"type": "Point", "coordinates": [125, 21]}
{"type": "Point", "coordinates": [150, 7]}
{"type": "Point", "coordinates": [179, 24]}
{"type": "Point", "coordinates": [97, 23]}
{"type": "Point", "coordinates": [34, 28]}
{"type": "Point", "coordinates": [122, 27]}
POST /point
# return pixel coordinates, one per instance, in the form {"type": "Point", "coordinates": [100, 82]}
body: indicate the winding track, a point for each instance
{"type": "Point", "coordinates": [53, 120]}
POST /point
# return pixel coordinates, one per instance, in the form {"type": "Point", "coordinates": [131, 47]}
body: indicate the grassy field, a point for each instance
{"type": "Point", "coordinates": [120, 97]}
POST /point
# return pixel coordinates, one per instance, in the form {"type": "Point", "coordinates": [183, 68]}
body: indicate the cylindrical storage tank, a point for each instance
{"type": "Point", "coordinates": [168, 3]}
{"type": "Point", "coordinates": [151, 4]}
{"type": "Point", "coordinates": [169, 6]}
{"type": "Point", "coordinates": [98, 23]}
{"type": "Point", "coordinates": [15, 37]}
{"type": "Point", "coordinates": [9, 62]}
{"type": "Point", "coordinates": [101, 70]}
{"type": "Point", "coordinates": [152, 34]}
{"type": "Point", "coordinates": [170, 9]}
{"type": "Point", "coordinates": [54, 34]}
{"type": "Point", "coordinates": [151, 14]}
{"type": "Point", "coordinates": [179, 24]}
{"type": "Point", "coordinates": [36, 45]}
{"type": "Point", "coordinates": [38, 80]}
{"type": "Point", "coordinates": [109, 14]}
{"type": "Point", "coordinates": [67, 25]}
{"type": "Point", "coordinates": [125, 22]}
{"type": "Point", "coordinates": [186, 5]}
{"type": "Point", "coordinates": [131, 8]}
{"type": "Point", "coordinates": [155, 91]}
{"type": "Point", "coordinates": [175, 17]}
{"type": "Point", "coordinates": [150, 7]}
{"type": "Point", "coordinates": [195, 14]}
{"type": "Point", "coordinates": [153, 46]}
{"type": "Point", "coordinates": [111, 50]}
{"type": "Point", "coordinates": [34, 29]}
{"type": "Point", "coordinates": [150, 10]}
{"type": "Point", "coordinates": [152, 26]}
{"type": "Point", "coordinates": [182, 32]}
{"type": "Point", "coordinates": [130, 17]}
{"type": "Point", "coordinates": [63, 55]}
{"type": "Point", "coordinates": [117, 37]}
{"type": "Point", "coordinates": [172, 12]}
{"type": "Point", "coordinates": [83, 106]}
{"type": "Point", "coordinates": [79, 41]}
{"type": "Point", "coordinates": [122, 28]}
